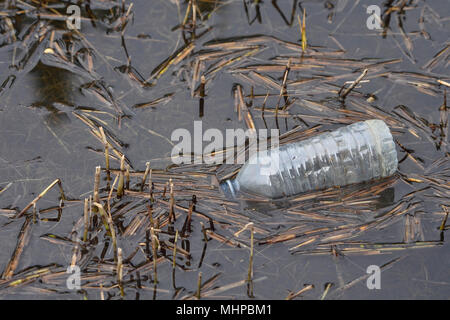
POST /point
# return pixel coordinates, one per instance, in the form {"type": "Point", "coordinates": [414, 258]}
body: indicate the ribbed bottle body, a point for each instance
{"type": "Point", "coordinates": [356, 153]}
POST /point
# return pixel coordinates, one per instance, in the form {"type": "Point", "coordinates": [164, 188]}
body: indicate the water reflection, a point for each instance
{"type": "Point", "coordinates": [264, 208]}
{"type": "Point", "coordinates": [52, 91]}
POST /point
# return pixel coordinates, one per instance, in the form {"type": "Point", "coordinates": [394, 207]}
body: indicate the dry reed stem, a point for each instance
{"type": "Point", "coordinates": [43, 193]}
{"type": "Point", "coordinates": [144, 178]}
{"type": "Point", "coordinates": [96, 197]}
{"type": "Point", "coordinates": [86, 219]}
{"type": "Point", "coordinates": [120, 186]}
{"type": "Point", "coordinates": [120, 271]}
{"type": "Point", "coordinates": [199, 285]}
{"type": "Point", "coordinates": [354, 84]}
{"type": "Point", "coordinates": [24, 237]}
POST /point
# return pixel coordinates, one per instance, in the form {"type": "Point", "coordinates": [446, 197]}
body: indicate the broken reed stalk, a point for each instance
{"type": "Point", "coordinates": [263, 107]}
{"type": "Point", "coordinates": [175, 250]}
{"type": "Point", "coordinates": [6, 188]}
{"type": "Point", "coordinates": [304, 41]}
{"type": "Point", "coordinates": [202, 86]}
{"type": "Point", "coordinates": [444, 221]}
{"type": "Point", "coordinates": [283, 89]}
{"type": "Point", "coordinates": [103, 215]}
{"type": "Point", "coordinates": [120, 271]}
{"type": "Point", "coordinates": [328, 285]}
{"type": "Point", "coordinates": [150, 215]}
{"type": "Point", "coordinates": [61, 191]}
{"type": "Point", "coordinates": [102, 293]}
{"type": "Point", "coordinates": [199, 12]}
{"type": "Point", "coordinates": [354, 84]}
{"type": "Point", "coordinates": [292, 295]}
{"type": "Point", "coordinates": [105, 144]}
{"type": "Point", "coordinates": [110, 220]}
{"type": "Point", "coordinates": [127, 178]}
{"type": "Point", "coordinates": [75, 249]}
{"type": "Point", "coordinates": [155, 257]}
{"type": "Point", "coordinates": [113, 233]}
{"type": "Point", "coordinates": [86, 219]}
{"type": "Point", "coordinates": [248, 225]}
{"type": "Point", "coordinates": [43, 193]}
{"type": "Point", "coordinates": [201, 111]}
{"type": "Point", "coordinates": [34, 213]}
{"type": "Point", "coordinates": [90, 208]}
{"type": "Point", "coordinates": [199, 285]}
{"type": "Point", "coordinates": [186, 16]}
{"type": "Point", "coordinates": [189, 217]}
{"type": "Point", "coordinates": [165, 190]}
{"type": "Point", "coordinates": [108, 201]}
{"type": "Point", "coordinates": [171, 203]}
{"type": "Point", "coordinates": [24, 236]}
{"type": "Point", "coordinates": [144, 178]}
{"type": "Point", "coordinates": [120, 186]}
{"type": "Point", "coordinates": [205, 237]}
{"type": "Point", "coordinates": [194, 17]}
{"type": "Point", "coordinates": [302, 25]}
{"type": "Point", "coordinates": [33, 203]}
{"type": "Point", "coordinates": [96, 197]}
{"type": "Point", "coordinates": [443, 82]}
{"type": "Point", "coordinates": [250, 263]}
{"type": "Point", "coordinates": [151, 187]}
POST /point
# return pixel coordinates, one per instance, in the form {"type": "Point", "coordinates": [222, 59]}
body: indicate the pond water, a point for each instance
{"type": "Point", "coordinates": [59, 86]}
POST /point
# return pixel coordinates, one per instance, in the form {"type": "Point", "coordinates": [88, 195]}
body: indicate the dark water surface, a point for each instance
{"type": "Point", "coordinates": [42, 139]}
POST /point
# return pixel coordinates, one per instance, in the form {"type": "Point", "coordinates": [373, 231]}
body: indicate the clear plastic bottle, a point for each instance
{"type": "Point", "coordinates": [359, 152]}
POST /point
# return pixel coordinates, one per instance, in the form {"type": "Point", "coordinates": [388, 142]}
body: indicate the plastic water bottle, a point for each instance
{"type": "Point", "coordinates": [359, 152]}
